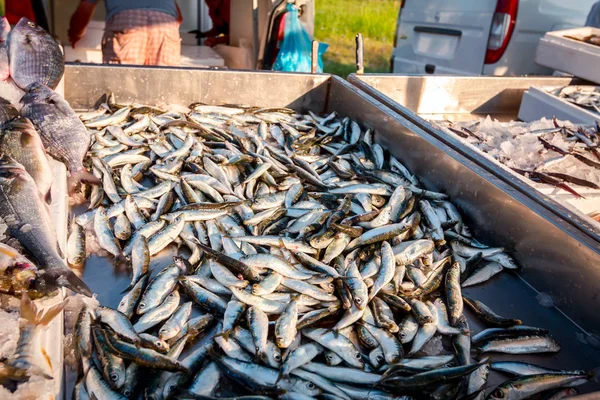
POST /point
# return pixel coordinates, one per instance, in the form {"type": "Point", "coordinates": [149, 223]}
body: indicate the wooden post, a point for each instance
{"type": "Point", "coordinates": [314, 57]}
{"type": "Point", "coordinates": [360, 68]}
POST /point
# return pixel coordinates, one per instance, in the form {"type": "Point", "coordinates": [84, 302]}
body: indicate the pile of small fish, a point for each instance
{"type": "Point", "coordinates": [587, 97]}
{"type": "Point", "coordinates": [316, 266]}
{"type": "Point", "coordinates": [538, 153]}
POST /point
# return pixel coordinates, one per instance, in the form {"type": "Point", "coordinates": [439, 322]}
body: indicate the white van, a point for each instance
{"type": "Point", "coordinates": [479, 37]}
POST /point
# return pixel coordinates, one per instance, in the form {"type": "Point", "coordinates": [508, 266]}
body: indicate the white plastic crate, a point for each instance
{"type": "Point", "coordinates": [538, 103]}
{"type": "Point", "coordinates": [575, 57]}
{"type": "Point", "coordinates": [200, 56]}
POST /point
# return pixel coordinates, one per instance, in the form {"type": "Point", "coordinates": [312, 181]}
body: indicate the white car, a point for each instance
{"type": "Point", "coordinates": [479, 37]}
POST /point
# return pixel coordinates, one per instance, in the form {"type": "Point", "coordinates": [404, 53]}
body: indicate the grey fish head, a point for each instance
{"type": "Point", "coordinates": [27, 31]}
{"type": "Point", "coordinates": [36, 92]}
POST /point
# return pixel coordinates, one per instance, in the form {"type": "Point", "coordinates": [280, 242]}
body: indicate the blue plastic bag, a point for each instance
{"type": "Point", "coordinates": [296, 49]}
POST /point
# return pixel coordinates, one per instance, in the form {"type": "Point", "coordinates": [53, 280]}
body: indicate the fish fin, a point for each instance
{"type": "Point", "coordinates": [224, 335]}
{"type": "Point", "coordinates": [567, 188]}
{"type": "Point", "coordinates": [50, 313]}
{"type": "Point", "coordinates": [28, 309]}
{"type": "Point", "coordinates": [80, 176]}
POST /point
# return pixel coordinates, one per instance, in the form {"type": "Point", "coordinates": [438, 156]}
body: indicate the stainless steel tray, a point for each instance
{"type": "Point", "coordinates": [423, 98]}
{"type": "Point", "coordinates": [557, 258]}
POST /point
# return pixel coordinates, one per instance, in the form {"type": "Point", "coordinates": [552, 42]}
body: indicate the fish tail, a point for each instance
{"type": "Point", "coordinates": [82, 175]}
{"type": "Point", "coordinates": [52, 312]}
{"type": "Point", "coordinates": [29, 311]}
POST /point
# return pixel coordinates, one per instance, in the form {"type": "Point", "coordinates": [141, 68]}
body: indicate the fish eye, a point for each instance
{"type": "Point", "coordinates": [357, 356]}
{"type": "Point", "coordinates": [158, 344]}
{"type": "Point", "coordinates": [498, 393]}
{"type": "Point", "coordinates": [379, 357]}
{"type": "Point", "coordinates": [114, 377]}
{"type": "Point", "coordinates": [402, 334]}
{"type": "Point", "coordinates": [142, 305]}
{"type": "Point", "coordinates": [31, 24]}
{"type": "Point", "coordinates": [310, 385]}
{"type": "Point", "coordinates": [127, 392]}
{"type": "Point", "coordinates": [277, 357]}
{"type": "Point", "coordinates": [358, 300]}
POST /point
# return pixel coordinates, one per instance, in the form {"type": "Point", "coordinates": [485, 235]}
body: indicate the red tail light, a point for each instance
{"type": "Point", "coordinates": [503, 25]}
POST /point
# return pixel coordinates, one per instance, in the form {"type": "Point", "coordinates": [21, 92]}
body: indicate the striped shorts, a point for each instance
{"type": "Point", "coordinates": [142, 37]}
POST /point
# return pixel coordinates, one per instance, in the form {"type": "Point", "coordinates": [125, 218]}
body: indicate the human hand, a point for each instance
{"type": "Point", "coordinates": [75, 32]}
{"type": "Point", "coordinates": [215, 40]}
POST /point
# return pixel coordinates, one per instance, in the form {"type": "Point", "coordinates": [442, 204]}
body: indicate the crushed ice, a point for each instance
{"type": "Point", "coordinates": [516, 145]}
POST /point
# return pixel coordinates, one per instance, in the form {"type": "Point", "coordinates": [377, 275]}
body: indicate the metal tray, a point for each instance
{"type": "Point", "coordinates": [423, 98]}
{"type": "Point", "coordinates": [556, 257]}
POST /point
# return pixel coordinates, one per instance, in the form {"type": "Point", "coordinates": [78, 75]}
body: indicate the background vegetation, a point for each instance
{"type": "Point", "coordinates": [338, 21]}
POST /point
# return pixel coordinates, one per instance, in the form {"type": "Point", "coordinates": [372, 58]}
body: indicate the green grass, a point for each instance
{"type": "Point", "coordinates": [338, 21]}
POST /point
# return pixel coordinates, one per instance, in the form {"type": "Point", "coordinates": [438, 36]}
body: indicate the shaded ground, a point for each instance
{"type": "Point", "coordinates": [338, 21]}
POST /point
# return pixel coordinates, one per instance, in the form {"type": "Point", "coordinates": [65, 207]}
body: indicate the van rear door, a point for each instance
{"type": "Point", "coordinates": [443, 36]}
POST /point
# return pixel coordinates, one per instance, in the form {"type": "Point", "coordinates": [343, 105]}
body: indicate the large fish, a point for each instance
{"type": "Point", "coordinates": [63, 134]}
{"type": "Point", "coordinates": [28, 221]}
{"type": "Point", "coordinates": [34, 56]}
{"type": "Point", "coordinates": [4, 31]}
{"type": "Point", "coordinates": [20, 141]}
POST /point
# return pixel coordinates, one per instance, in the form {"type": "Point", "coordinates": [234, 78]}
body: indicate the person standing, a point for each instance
{"type": "Point", "coordinates": [142, 32]}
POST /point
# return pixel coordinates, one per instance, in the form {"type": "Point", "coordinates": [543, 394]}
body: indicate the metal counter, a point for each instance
{"type": "Point", "coordinates": [423, 98]}
{"type": "Point", "coordinates": [556, 257]}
